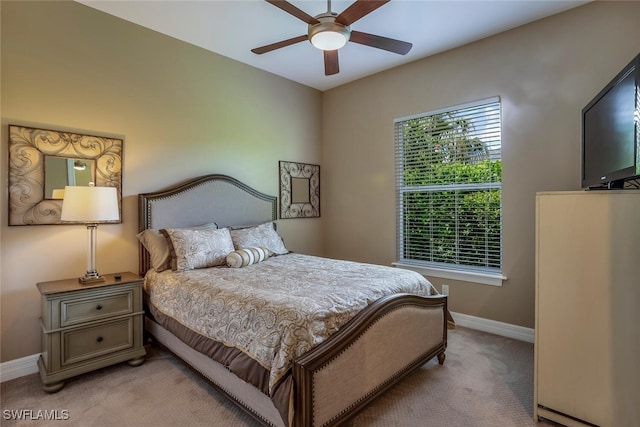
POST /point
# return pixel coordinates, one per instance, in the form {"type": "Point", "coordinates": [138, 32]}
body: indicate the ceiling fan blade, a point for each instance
{"type": "Point", "coordinates": [391, 45]}
{"type": "Point", "coordinates": [331, 62]}
{"type": "Point", "coordinates": [358, 9]}
{"type": "Point", "coordinates": [292, 10]}
{"type": "Point", "coordinates": [278, 45]}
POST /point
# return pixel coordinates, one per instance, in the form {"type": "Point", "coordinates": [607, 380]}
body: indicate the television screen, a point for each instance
{"type": "Point", "coordinates": [609, 134]}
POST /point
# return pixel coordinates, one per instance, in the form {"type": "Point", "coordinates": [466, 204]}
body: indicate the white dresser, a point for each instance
{"type": "Point", "coordinates": [587, 335]}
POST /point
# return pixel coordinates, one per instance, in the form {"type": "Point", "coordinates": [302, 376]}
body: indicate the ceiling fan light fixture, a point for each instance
{"type": "Point", "coordinates": [329, 35]}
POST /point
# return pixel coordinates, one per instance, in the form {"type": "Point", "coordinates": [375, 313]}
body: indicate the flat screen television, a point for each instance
{"type": "Point", "coordinates": [611, 132]}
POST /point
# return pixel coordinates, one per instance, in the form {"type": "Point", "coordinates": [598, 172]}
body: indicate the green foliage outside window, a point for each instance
{"type": "Point", "coordinates": [451, 205]}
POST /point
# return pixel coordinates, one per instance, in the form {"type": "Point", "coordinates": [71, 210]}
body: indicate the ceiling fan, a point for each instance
{"type": "Point", "coordinates": [330, 31]}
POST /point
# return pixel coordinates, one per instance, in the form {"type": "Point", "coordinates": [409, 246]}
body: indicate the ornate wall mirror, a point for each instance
{"type": "Point", "coordinates": [299, 190]}
{"type": "Point", "coordinates": [42, 162]}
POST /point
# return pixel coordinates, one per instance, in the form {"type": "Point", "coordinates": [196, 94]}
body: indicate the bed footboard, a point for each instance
{"type": "Point", "coordinates": [382, 344]}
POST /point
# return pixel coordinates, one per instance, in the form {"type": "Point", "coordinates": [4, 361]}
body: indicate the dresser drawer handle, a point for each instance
{"type": "Point", "coordinates": [99, 307]}
{"type": "Point", "coordinates": [99, 339]}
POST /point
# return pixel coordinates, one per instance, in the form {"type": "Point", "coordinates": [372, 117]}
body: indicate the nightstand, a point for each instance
{"type": "Point", "coordinates": [88, 327]}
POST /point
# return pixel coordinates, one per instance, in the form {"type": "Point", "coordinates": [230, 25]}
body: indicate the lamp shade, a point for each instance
{"type": "Point", "coordinates": [90, 204]}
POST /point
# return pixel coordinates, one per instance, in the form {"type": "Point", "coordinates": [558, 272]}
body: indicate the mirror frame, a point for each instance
{"type": "Point", "coordinates": [27, 150]}
{"type": "Point", "coordinates": [289, 209]}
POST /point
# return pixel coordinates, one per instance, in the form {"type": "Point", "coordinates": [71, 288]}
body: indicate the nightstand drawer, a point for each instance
{"type": "Point", "coordinates": [82, 310]}
{"type": "Point", "coordinates": [94, 341]}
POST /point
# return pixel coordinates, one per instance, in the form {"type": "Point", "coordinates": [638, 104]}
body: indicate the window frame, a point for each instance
{"type": "Point", "coordinates": [483, 275]}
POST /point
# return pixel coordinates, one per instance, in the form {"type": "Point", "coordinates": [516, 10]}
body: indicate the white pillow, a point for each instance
{"type": "Point", "coordinates": [263, 235]}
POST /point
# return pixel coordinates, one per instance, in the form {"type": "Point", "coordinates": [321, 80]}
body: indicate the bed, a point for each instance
{"type": "Point", "coordinates": [300, 327]}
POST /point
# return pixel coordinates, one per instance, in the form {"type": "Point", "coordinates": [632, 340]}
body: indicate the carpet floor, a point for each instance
{"type": "Point", "coordinates": [486, 380]}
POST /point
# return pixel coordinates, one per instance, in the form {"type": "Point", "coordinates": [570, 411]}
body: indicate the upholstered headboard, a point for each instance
{"type": "Point", "coordinates": [210, 198]}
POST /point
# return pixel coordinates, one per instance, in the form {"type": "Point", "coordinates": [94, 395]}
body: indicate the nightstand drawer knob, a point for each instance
{"type": "Point", "coordinates": [99, 307]}
{"type": "Point", "coordinates": [99, 339]}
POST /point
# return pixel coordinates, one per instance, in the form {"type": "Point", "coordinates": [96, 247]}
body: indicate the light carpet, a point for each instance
{"type": "Point", "coordinates": [486, 380]}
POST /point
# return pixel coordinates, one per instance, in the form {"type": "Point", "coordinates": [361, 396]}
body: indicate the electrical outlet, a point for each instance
{"type": "Point", "coordinates": [445, 289]}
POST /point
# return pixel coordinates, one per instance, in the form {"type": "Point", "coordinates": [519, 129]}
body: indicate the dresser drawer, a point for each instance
{"type": "Point", "coordinates": [94, 341]}
{"type": "Point", "coordinates": [95, 307]}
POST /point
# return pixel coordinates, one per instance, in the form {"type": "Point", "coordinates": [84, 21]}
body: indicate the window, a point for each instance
{"type": "Point", "coordinates": [449, 188]}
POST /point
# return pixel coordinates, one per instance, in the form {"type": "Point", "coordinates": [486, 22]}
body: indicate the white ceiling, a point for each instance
{"type": "Point", "coordinates": [233, 27]}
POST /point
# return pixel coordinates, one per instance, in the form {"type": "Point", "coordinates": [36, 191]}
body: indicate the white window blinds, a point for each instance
{"type": "Point", "coordinates": [449, 175]}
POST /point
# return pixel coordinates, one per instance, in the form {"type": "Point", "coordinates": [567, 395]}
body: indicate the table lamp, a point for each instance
{"type": "Point", "coordinates": [90, 205]}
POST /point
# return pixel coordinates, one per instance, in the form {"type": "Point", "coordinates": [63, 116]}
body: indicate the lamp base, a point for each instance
{"type": "Point", "coordinates": [91, 278]}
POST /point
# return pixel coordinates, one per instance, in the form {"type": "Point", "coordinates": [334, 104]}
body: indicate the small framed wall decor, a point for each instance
{"type": "Point", "coordinates": [299, 190]}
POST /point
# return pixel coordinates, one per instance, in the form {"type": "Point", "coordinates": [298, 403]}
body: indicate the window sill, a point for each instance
{"type": "Point", "coordinates": [465, 276]}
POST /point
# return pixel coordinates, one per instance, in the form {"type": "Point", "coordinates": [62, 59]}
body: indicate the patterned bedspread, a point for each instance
{"type": "Point", "coordinates": [276, 310]}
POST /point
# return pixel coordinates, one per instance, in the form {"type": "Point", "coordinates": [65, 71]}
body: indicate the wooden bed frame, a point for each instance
{"type": "Point", "coordinates": [333, 381]}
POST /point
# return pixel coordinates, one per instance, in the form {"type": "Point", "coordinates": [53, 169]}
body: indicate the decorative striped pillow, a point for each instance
{"type": "Point", "coordinates": [243, 257]}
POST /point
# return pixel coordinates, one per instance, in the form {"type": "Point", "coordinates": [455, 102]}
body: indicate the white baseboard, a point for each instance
{"type": "Point", "coordinates": [19, 367]}
{"type": "Point", "coordinates": [28, 365]}
{"type": "Point", "coordinates": [494, 327]}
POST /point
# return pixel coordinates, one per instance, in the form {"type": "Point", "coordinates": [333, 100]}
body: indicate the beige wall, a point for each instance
{"type": "Point", "coordinates": [544, 72]}
{"type": "Point", "coordinates": [182, 112]}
